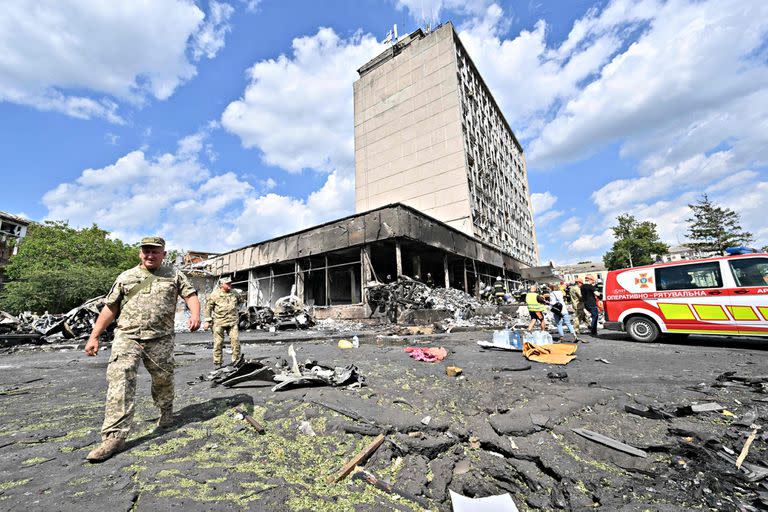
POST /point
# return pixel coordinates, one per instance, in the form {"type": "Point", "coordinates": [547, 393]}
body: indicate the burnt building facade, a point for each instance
{"type": "Point", "coordinates": [332, 264]}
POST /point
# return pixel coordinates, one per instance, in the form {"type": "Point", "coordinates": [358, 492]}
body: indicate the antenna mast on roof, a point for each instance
{"type": "Point", "coordinates": [391, 36]}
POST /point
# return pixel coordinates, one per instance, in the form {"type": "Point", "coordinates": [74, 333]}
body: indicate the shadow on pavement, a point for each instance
{"type": "Point", "coordinates": [194, 413]}
{"type": "Point", "coordinates": [741, 342]}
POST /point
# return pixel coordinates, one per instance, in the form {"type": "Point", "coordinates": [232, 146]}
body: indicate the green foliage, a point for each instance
{"type": "Point", "coordinates": [714, 228]}
{"type": "Point", "coordinates": [635, 243]}
{"type": "Point", "coordinates": [58, 267]}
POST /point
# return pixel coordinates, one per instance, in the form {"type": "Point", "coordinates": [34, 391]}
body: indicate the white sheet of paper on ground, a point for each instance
{"type": "Point", "coordinates": [500, 503]}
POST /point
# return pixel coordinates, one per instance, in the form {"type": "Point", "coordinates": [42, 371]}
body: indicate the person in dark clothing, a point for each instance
{"type": "Point", "coordinates": [589, 295]}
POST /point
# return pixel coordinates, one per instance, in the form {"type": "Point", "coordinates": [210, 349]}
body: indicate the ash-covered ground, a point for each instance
{"type": "Point", "coordinates": [492, 430]}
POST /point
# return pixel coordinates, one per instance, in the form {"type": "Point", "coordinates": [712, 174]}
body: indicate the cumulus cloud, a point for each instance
{"type": "Point", "coordinates": [210, 38]}
{"type": "Point", "coordinates": [177, 196]}
{"type": "Point", "coordinates": [430, 10]}
{"type": "Point", "coordinates": [692, 61]}
{"type": "Point", "coordinates": [127, 51]}
{"type": "Point", "coordinates": [592, 243]}
{"type": "Point", "coordinates": [298, 110]}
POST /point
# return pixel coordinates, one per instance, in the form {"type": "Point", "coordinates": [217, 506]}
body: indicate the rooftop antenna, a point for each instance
{"type": "Point", "coordinates": [391, 36]}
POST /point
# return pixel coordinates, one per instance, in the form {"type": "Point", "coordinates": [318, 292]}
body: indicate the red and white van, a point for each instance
{"type": "Point", "coordinates": [726, 295]}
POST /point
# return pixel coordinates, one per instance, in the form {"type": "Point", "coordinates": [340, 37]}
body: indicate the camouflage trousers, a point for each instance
{"type": "Point", "coordinates": [579, 316]}
{"type": "Point", "coordinates": [157, 356]}
{"type": "Point", "coordinates": [218, 341]}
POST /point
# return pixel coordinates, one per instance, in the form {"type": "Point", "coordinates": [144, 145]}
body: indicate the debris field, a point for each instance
{"type": "Point", "coordinates": [623, 426]}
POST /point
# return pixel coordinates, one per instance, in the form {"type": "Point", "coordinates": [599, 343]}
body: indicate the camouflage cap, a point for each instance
{"type": "Point", "coordinates": [153, 240]}
{"type": "Point", "coordinates": [225, 280]}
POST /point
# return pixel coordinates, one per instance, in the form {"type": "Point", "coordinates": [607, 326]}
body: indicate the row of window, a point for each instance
{"type": "Point", "coordinates": [746, 272]}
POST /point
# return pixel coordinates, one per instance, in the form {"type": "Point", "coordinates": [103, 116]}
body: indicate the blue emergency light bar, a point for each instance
{"type": "Point", "coordinates": [733, 251]}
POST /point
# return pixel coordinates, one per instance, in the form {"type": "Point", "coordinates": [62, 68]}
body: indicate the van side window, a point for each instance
{"type": "Point", "coordinates": [689, 277]}
{"type": "Point", "coordinates": [750, 271]}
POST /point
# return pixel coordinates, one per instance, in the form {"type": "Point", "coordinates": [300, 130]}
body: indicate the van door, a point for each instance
{"type": "Point", "coordinates": [692, 298]}
{"type": "Point", "coordinates": [750, 294]}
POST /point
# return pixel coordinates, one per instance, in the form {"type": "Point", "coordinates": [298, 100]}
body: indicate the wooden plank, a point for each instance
{"type": "Point", "coordinates": [357, 460]}
{"type": "Point", "coordinates": [611, 443]}
{"type": "Point", "coordinates": [250, 419]}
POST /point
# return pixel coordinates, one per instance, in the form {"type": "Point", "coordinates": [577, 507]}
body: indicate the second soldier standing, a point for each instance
{"type": "Point", "coordinates": [221, 314]}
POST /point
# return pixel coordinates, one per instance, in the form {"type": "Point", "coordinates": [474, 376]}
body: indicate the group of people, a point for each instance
{"type": "Point", "coordinates": [582, 295]}
{"type": "Point", "coordinates": [143, 301]}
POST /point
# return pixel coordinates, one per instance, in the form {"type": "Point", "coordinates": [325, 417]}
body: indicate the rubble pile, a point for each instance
{"type": "Point", "coordinates": [289, 312]}
{"type": "Point", "coordinates": [407, 293]}
{"type": "Point", "coordinates": [47, 328]}
{"type": "Point", "coordinates": [309, 373]}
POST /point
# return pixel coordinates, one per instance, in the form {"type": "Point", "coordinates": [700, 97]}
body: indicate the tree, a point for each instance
{"type": "Point", "coordinates": [714, 228]}
{"type": "Point", "coordinates": [634, 243]}
{"type": "Point", "coordinates": [58, 267]}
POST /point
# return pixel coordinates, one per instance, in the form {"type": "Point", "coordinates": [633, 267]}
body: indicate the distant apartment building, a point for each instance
{"type": "Point", "coordinates": [680, 253]}
{"type": "Point", "coordinates": [429, 134]}
{"type": "Point", "coordinates": [569, 273]}
{"type": "Point", "coordinates": [12, 229]}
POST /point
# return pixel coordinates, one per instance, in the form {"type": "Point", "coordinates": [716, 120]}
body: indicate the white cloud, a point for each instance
{"type": "Point", "coordinates": [176, 196]}
{"type": "Point", "coordinates": [430, 10]}
{"type": "Point", "coordinates": [594, 243]}
{"type": "Point", "coordinates": [542, 201]}
{"type": "Point", "coordinates": [128, 51]}
{"type": "Point", "coordinates": [692, 62]}
{"type": "Point", "coordinates": [210, 38]}
{"type": "Point", "coordinates": [297, 110]}
{"type": "Point", "coordinates": [570, 226]}
{"type": "Point", "coordinates": [692, 174]}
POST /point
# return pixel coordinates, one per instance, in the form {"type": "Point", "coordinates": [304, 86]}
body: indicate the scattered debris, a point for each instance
{"type": "Point", "coordinates": [289, 313]}
{"type": "Point", "coordinates": [47, 328]}
{"type": "Point", "coordinates": [601, 360]}
{"type": "Point", "coordinates": [357, 460]}
{"type": "Point", "coordinates": [500, 503]}
{"type": "Point", "coordinates": [511, 369]}
{"type": "Point", "coordinates": [365, 476]}
{"type": "Point", "coordinates": [407, 293]}
{"type": "Point", "coordinates": [247, 417]}
{"type": "Point", "coordinates": [745, 450]}
{"type": "Point", "coordinates": [557, 375]}
{"type": "Point", "coordinates": [612, 443]}
{"type": "Point", "coordinates": [426, 420]}
{"type": "Point", "coordinates": [306, 428]}
{"type": "Point", "coordinates": [313, 373]}
{"type": "Point", "coordinates": [453, 371]}
{"type": "Point", "coordinates": [427, 354]}
{"type": "Point", "coordinates": [561, 353]}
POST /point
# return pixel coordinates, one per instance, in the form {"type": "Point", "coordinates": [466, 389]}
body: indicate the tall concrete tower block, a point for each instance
{"type": "Point", "coordinates": [429, 134]}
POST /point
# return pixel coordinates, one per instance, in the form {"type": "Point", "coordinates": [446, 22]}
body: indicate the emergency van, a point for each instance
{"type": "Point", "coordinates": [726, 295]}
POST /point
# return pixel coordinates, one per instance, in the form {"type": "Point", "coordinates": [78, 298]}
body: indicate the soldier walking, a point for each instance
{"type": "Point", "coordinates": [221, 314]}
{"type": "Point", "coordinates": [580, 316]}
{"type": "Point", "coordinates": [145, 298]}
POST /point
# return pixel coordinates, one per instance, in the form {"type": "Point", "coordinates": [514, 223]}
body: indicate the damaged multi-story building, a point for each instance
{"type": "Point", "coordinates": [429, 134]}
{"type": "Point", "coordinates": [441, 189]}
{"type": "Point", "coordinates": [12, 229]}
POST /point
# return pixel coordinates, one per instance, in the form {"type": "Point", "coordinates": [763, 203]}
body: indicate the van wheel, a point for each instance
{"type": "Point", "coordinates": [642, 329]}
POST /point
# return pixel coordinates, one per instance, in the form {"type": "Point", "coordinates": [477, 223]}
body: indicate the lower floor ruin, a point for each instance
{"type": "Point", "coordinates": [334, 263]}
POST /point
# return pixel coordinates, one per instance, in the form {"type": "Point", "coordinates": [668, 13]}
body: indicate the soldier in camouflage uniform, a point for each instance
{"type": "Point", "coordinates": [145, 299]}
{"type": "Point", "coordinates": [221, 314]}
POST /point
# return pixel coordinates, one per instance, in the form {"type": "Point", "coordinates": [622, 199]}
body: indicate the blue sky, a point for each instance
{"type": "Point", "coordinates": [221, 123]}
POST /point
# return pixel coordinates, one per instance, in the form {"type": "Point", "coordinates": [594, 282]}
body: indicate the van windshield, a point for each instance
{"type": "Point", "coordinates": [750, 271]}
{"type": "Point", "coordinates": [689, 277]}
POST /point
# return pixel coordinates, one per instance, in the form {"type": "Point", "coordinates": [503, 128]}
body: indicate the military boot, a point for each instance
{"type": "Point", "coordinates": [109, 447]}
{"type": "Point", "coordinates": [166, 418]}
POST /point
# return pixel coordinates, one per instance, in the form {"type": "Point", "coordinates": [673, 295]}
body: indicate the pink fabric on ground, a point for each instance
{"type": "Point", "coordinates": [428, 354]}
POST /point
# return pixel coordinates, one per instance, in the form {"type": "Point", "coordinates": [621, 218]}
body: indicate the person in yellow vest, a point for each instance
{"type": "Point", "coordinates": [221, 314]}
{"type": "Point", "coordinates": [537, 305]}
